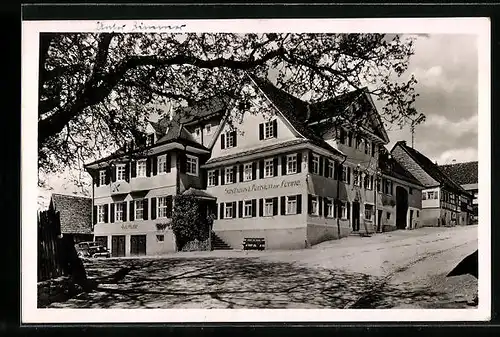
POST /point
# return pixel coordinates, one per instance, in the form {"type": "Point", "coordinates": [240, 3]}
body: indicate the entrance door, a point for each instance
{"type": "Point", "coordinates": [355, 216]}
{"type": "Point", "coordinates": [138, 245]}
{"type": "Point", "coordinates": [401, 207]}
{"type": "Point", "coordinates": [411, 218]}
{"type": "Point", "coordinates": [118, 245]}
{"type": "Point", "coordinates": [379, 220]}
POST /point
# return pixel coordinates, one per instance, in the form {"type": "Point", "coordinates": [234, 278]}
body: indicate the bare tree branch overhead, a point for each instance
{"type": "Point", "coordinates": [96, 90]}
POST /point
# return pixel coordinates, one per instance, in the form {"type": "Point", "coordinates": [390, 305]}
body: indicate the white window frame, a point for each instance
{"type": "Point", "coordinates": [229, 140]}
{"type": "Point", "coordinates": [211, 178]}
{"type": "Point", "coordinates": [102, 177]}
{"type": "Point", "coordinates": [268, 207]}
{"type": "Point", "coordinates": [291, 204]}
{"type": "Point", "coordinates": [368, 147]}
{"type": "Point", "coordinates": [100, 214]}
{"type": "Point", "coordinates": [343, 210]}
{"type": "Point", "coordinates": [197, 132]}
{"type": "Point", "coordinates": [228, 206]}
{"type": "Point", "coordinates": [208, 129]}
{"type": "Point", "coordinates": [430, 195]}
{"type": "Point", "coordinates": [314, 205]}
{"type": "Point", "coordinates": [191, 162]}
{"type": "Point", "coordinates": [247, 171]}
{"type": "Point", "coordinates": [369, 185]}
{"type": "Point", "coordinates": [120, 168]}
{"type": "Point", "coordinates": [162, 164]}
{"type": "Point", "coordinates": [357, 178]}
{"type": "Point", "coordinates": [247, 208]}
{"type": "Point", "coordinates": [119, 211]}
{"type": "Point", "coordinates": [329, 210]}
{"type": "Point", "coordinates": [269, 168]}
{"type": "Point", "coordinates": [424, 195]}
{"type": "Point", "coordinates": [315, 164]}
{"type": "Point", "coordinates": [268, 130]}
{"type": "Point", "coordinates": [345, 171]}
{"type": "Point", "coordinates": [331, 169]}
{"type": "Point", "coordinates": [161, 207]}
{"type": "Point", "coordinates": [291, 163]}
{"type": "Point", "coordinates": [141, 168]}
{"type": "Point", "coordinates": [137, 209]}
{"type": "Point", "coordinates": [228, 172]}
{"type": "Point", "coordinates": [371, 213]}
{"type": "Point", "coordinates": [148, 141]}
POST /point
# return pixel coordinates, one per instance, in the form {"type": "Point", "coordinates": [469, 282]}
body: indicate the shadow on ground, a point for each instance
{"type": "Point", "coordinates": [209, 283]}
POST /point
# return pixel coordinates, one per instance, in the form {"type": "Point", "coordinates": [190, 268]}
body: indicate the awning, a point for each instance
{"type": "Point", "coordinates": [199, 194]}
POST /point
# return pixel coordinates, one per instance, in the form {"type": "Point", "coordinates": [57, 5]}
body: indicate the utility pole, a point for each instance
{"type": "Point", "coordinates": [412, 135]}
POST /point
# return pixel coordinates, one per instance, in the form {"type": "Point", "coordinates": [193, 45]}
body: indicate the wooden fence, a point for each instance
{"type": "Point", "coordinates": [49, 245]}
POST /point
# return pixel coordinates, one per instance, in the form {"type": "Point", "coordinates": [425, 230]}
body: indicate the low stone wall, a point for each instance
{"type": "Point", "coordinates": [196, 246]}
{"type": "Point", "coordinates": [60, 289]}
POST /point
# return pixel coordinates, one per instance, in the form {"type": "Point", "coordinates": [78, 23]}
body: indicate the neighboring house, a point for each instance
{"type": "Point", "coordinates": [465, 174]}
{"type": "Point", "coordinates": [75, 214]}
{"type": "Point", "coordinates": [441, 198]}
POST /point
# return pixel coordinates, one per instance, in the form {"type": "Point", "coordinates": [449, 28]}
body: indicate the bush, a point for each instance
{"type": "Point", "coordinates": [188, 221]}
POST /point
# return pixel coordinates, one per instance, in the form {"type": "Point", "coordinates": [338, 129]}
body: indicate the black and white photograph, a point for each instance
{"type": "Point", "coordinates": [329, 165]}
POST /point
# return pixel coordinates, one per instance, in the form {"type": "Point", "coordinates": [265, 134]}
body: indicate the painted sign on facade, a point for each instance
{"type": "Point", "coordinates": [263, 187]}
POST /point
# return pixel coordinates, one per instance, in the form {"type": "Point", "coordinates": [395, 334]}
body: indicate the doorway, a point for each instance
{"type": "Point", "coordinates": [355, 216]}
{"type": "Point", "coordinates": [138, 245]}
{"type": "Point", "coordinates": [401, 207]}
{"type": "Point", "coordinates": [118, 245]}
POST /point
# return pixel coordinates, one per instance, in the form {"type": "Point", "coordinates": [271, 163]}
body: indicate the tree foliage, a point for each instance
{"type": "Point", "coordinates": [96, 90]}
{"type": "Point", "coordinates": [188, 221]}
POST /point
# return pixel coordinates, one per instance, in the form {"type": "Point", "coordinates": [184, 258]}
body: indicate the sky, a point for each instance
{"type": "Point", "coordinates": [446, 68]}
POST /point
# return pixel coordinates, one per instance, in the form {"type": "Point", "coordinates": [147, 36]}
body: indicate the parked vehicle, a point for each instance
{"type": "Point", "coordinates": [91, 249]}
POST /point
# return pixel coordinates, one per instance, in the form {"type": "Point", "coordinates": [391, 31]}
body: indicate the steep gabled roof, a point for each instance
{"type": "Point", "coordinates": [75, 213]}
{"type": "Point", "coordinates": [391, 167]}
{"type": "Point", "coordinates": [430, 168]}
{"type": "Point", "coordinates": [462, 173]}
{"type": "Point", "coordinates": [201, 109]}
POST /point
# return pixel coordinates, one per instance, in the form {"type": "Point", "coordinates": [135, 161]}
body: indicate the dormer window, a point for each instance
{"type": "Point", "coordinates": [197, 132]}
{"type": "Point", "coordinates": [208, 129]}
{"type": "Point", "coordinates": [268, 130]}
{"type": "Point", "coordinates": [150, 139]}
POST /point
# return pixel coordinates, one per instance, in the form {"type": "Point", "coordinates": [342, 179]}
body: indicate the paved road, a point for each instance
{"type": "Point", "coordinates": [402, 269]}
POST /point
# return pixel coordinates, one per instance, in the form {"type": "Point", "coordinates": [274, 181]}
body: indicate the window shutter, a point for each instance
{"type": "Point", "coordinates": [97, 178]}
{"type": "Point", "coordinates": [348, 175]}
{"type": "Point", "coordinates": [327, 168]}
{"type": "Point", "coordinates": [371, 180]}
{"type": "Point", "coordinates": [127, 172]}
{"type": "Point", "coordinates": [106, 213]}
{"type": "Point", "coordinates": [335, 208]}
{"type": "Point", "coordinates": [283, 165]}
{"type": "Point", "coordinates": [299, 203]}
{"type": "Point", "coordinates": [169, 206]}
{"type": "Point", "coordinates": [148, 167]}
{"type": "Point", "coordinates": [235, 171]}
{"type": "Point", "coordinates": [222, 143]}
{"type": "Point", "coordinates": [145, 207]}
{"type": "Point", "coordinates": [241, 172]}
{"type": "Point", "coordinates": [261, 207]}
{"type": "Point", "coordinates": [235, 136]}
{"type": "Point", "coordinates": [216, 177]}
{"type": "Point", "coordinates": [299, 162]}
{"type": "Point", "coordinates": [108, 176]}
{"type": "Point", "coordinates": [113, 173]}
{"type": "Point", "coordinates": [275, 166]}
{"type": "Point", "coordinates": [222, 175]}
{"type": "Point", "coordinates": [154, 163]}
{"type": "Point", "coordinates": [240, 209]}
{"type": "Point", "coordinates": [321, 166]}
{"type": "Point", "coordinates": [133, 169]}
{"type": "Point", "coordinates": [335, 170]}
{"type": "Point", "coordinates": [94, 210]}
{"type": "Point", "coordinates": [348, 210]}
{"type": "Point", "coordinates": [342, 135]}
{"type": "Point", "coordinates": [124, 214]}
{"type": "Point", "coordinates": [182, 162]}
{"type": "Point", "coordinates": [234, 209]}
{"type": "Point", "coordinates": [214, 210]}
{"type": "Point", "coordinates": [373, 150]}
{"type": "Point", "coordinates": [261, 169]}
{"type": "Point", "coordinates": [254, 170]}
{"type": "Point", "coordinates": [320, 208]}
{"type": "Point", "coordinates": [275, 206]}
{"type": "Point", "coordinates": [112, 213]}
{"type": "Point", "coordinates": [283, 205]}
{"type": "Point", "coordinates": [349, 136]}
{"type": "Point", "coordinates": [221, 207]}
{"type": "Point", "coordinates": [254, 207]}
{"type": "Point", "coordinates": [153, 208]}
{"type": "Point", "coordinates": [261, 131]}
{"type": "Point", "coordinates": [309, 204]}
{"type": "Point", "coordinates": [275, 128]}
{"type": "Point", "coordinates": [326, 202]}
{"type": "Point", "coordinates": [310, 162]}
{"type": "Point", "coordinates": [169, 162]}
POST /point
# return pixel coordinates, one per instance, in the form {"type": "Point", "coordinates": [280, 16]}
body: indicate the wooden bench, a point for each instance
{"type": "Point", "coordinates": [254, 243]}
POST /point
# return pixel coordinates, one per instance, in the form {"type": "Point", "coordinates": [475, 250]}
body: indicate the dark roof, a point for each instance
{"type": "Point", "coordinates": [194, 192]}
{"type": "Point", "coordinates": [75, 213]}
{"type": "Point", "coordinates": [202, 108]}
{"type": "Point", "coordinates": [160, 128]}
{"type": "Point", "coordinates": [294, 110]}
{"type": "Point", "coordinates": [430, 168]}
{"type": "Point", "coordinates": [462, 173]}
{"type": "Point", "coordinates": [391, 167]}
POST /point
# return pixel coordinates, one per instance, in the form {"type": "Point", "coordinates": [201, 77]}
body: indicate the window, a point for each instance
{"type": "Point", "coordinates": [139, 209]}
{"type": "Point", "coordinates": [160, 238]}
{"type": "Point", "coordinates": [211, 178]}
{"type": "Point", "coordinates": [388, 187]}
{"type": "Point", "coordinates": [368, 182]}
{"type": "Point", "coordinates": [268, 130]}
{"type": "Point", "coordinates": [268, 168]}
{"type": "Point", "coordinates": [230, 175]}
{"type": "Point", "coordinates": [162, 207]}
{"type": "Point", "coordinates": [141, 168]}
{"type": "Point", "coordinates": [331, 165]}
{"type": "Point", "coordinates": [436, 195]}
{"type": "Point", "coordinates": [191, 165]}
{"type": "Point", "coordinates": [329, 208]}
{"type": "Point", "coordinates": [268, 207]}
{"type": "Point", "coordinates": [208, 129]}
{"type": "Point", "coordinates": [424, 196]}
{"type": "Point", "coordinates": [314, 205]}
{"type": "Point", "coordinates": [453, 215]}
{"type": "Point", "coordinates": [197, 132]}
{"type": "Point", "coordinates": [344, 173]}
{"type": "Point", "coordinates": [418, 214]}
{"type": "Point", "coordinates": [248, 172]}
{"type": "Point", "coordinates": [150, 139]}
{"type": "Point", "coordinates": [357, 178]}
{"type": "Point", "coordinates": [343, 210]}
{"type": "Point", "coordinates": [120, 172]}
{"type": "Point", "coordinates": [430, 195]}
{"type": "Point", "coordinates": [101, 214]}
{"type": "Point", "coordinates": [119, 212]}
{"type": "Point", "coordinates": [247, 212]}
{"type": "Point", "coordinates": [102, 177]}
{"type": "Point", "coordinates": [162, 164]}
{"type": "Point", "coordinates": [368, 211]}
{"type": "Point", "coordinates": [315, 164]}
{"type": "Point", "coordinates": [228, 210]}
{"type": "Point", "coordinates": [291, 164]}
{"type": "Point", "coordinates": [230, 139]}
{"type": "Point", "coordinates": [291, 204]}
{"type": "Point", "coordinates": [388, 215]}
{"type": "Point", "coordinates": [368, 145]}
